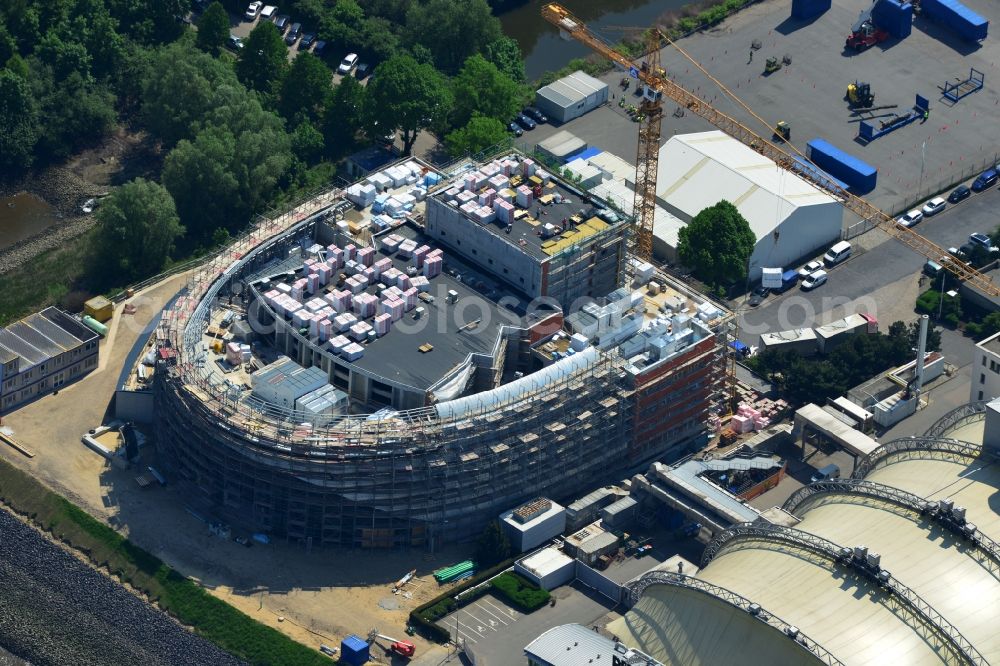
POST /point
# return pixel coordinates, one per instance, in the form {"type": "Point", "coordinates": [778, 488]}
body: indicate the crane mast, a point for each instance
{"type": "Point", "coordinates": [656, 81]}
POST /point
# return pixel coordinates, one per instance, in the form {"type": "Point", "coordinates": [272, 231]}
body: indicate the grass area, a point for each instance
{"type": "Point", "coordinates": [47, 279]}
{"type": "Point", "coordinates": [210, 617]}
{"type": "Point", "coordinates": [519, 592]}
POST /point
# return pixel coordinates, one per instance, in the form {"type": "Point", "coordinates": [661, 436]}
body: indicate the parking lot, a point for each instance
{"type": "Point", "coordinates": [496, 633]}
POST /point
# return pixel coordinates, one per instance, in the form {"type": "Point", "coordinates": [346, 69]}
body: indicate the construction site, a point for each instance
{"type": "Point", "coordinates": [450, 390]}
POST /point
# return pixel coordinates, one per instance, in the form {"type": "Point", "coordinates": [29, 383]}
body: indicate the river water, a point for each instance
{"type": "Point", "coordinates": [541, 45]}
{"type": "Point", "coordinates": [23, 216]}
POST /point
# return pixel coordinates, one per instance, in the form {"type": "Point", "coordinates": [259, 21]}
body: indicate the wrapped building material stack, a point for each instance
{"type": "Point", "coordinates": [406, 249]}
{"type": "Point", "coordinates": [421, 283]}
{"type": "Point", "coordinates": [353, 351]}
{"type": "Point", "coordinates": [419, 254]}
{"type": "Point", "coordinates": [432, 266]}
{"type": "Point", "coordinates": [524, 196]}
{"type": "Point", "coordinates": [366, 256]}
{"type": "Point", "coordinates": [364, 305]}
{"type": "Point", "coordinates": [337, 344]}
{"type": "Point", "coordinates": [504, 211]}
{"type": "Point", "coordinates": [343, 322]}
{"type": "Point", "coordinates": [359, 331]}
{"type": "Point", "coordinates": [391, 243]}
{"type": "Point", "coordinates": [382, 323]}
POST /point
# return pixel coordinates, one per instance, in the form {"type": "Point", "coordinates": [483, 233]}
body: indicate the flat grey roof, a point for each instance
{"type": "Point", "coordinates": [992, 344]}
{"type": "Point", "coordinates": [396, 356]}
{"type": "Point", "coordinates": [571, 89]}
{"type": "Point", "coordinates": [534, 245]}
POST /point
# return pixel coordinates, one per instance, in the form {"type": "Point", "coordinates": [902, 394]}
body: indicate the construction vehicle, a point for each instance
{"type": "Point", "coordinates": [864, 32]}
{"type": "Point", "coordinates": [783, 131]}
{"type": "Point", "coordinates": [860, 95]}
{"type": "Point", "coordinates": [397, 647]}
{"type": "Point", "coordinates": [655, 87]}
{"type": "Point", "coordinates": [772, 65]}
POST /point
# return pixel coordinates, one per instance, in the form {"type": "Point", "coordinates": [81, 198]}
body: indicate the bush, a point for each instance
{"type": "Point", "coordinates": [520, 592]}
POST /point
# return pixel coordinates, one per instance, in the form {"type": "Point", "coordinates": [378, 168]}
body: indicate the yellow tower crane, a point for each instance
{"type": "Point", "coordinates": [659, 86]}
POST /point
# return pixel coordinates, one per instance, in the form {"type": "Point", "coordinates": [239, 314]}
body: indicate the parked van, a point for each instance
{"type": "Point", "coordinates": [826, 473]}
{"type": "Point", "coordinates": [267, 14]}
{"type": "Point", "coordinates": [837, 253]}
{"type": "Point", "coordinates": [986, 179]}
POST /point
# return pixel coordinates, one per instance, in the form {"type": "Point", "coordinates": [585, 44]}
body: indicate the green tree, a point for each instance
{"type": "Point", "coordinates": [150, 22]}
{"type": "Point", "coordinates": [717, 244]}
{"type": "Point", "coordinates": [340, 26]}
{"type": "Point", "coordinates": [19, 127]}
{"type": "Point", "coordinates": [453, 30]}
{"type": "Point", "coordinates": [213, 28]}
{"type": "Point", "coordinates": [479, 87]}
{"type": "Point", "coordinates": [506, 55]}
{"type": "Point", "coordinates": [74, 111]}
{"type": "Point", "coordinates": [263, 60]}
{"type": "Point", "coordinates": [407, 96]}
{"type": "Point", "coordinates": [343, 116]}
{"type": "Point", "coordinates": [65, 58]}
{"type": "Point", "coordinates": [305, 89]}
{"type": "Point", "coordinates": [181, 86]}
{"type": "Point", "coordinates": [478, 134]}
{"type": "Point", "coordinates": [136, 229]}
{"type": "Point", "coordinates": [230, 169]}
{"type": "Point", "coordinates": [493, 546]}
{"type": "Point", "coordinates": [307, 143]}
{"type": "Point", "coordinates": [933, 337]}
{"type": "Point", "coordinates": [379, 41]}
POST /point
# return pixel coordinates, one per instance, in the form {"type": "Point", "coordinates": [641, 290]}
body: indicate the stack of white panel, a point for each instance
{"type": "Point", "coordinates": [353, 351]}
{"type": "Point", "coordinates": [382, 323]}
{"type": "Point", "coordinates": [361, 194]}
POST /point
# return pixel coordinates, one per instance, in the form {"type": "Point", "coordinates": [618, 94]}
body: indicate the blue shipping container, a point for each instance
{"type": "Point", "coordinates": [895, 17]}
{"type": "Point", "coordinates": [966, 23]}
{"type": "Point", "coordinates": [859, 175]}
{"type": "Point", "coordinates": [805, 9]}
{"type": "Point", "coordinates": [354, 651]}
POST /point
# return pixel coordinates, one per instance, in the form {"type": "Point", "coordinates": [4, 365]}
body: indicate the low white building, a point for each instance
{"type": "Point", "coordinates": [789, 216]}
{"type": "Point", "coordinates": [532, 524]}
{"type": "Point", "coordinates": [571, 96]}
{"type": "Point", "coordinates": [548, 568]}
{"type": "Point", "coordinates": [986, 369]}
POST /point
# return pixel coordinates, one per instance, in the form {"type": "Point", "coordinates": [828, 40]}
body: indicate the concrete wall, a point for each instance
{"type": "Point", "coordinates": [483, 247]}
{"type": "Point", "coordinates": [136, 406]}
{"type": "Point", "coordinates": [985, 374]}
{"type": "Point", "coordinates": [801, 234]}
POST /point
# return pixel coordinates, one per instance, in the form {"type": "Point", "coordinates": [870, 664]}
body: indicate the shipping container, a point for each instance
{"type": "Point", "coordinates": [966, 23]}
{"type": "Point", "coordinates": [99, 308]}
{"type": "Point", "coordinates": [806, 9]}
{"type": "Point", "coordinates": [859, 175]}
{"type": "Point", "coordinates": [895, 17]}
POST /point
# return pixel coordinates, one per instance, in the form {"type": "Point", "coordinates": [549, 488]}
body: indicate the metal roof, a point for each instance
{"type": "Point", "coordinates": [694, 168]}
{"type": "Point", "coordinates": [42, 336]}
{"type": "Point", "coordinates": [546, 561]}
{"type": "Point", "coordinates": [573, 645]}
{"type": "Point", "coordinates": [571, 89]}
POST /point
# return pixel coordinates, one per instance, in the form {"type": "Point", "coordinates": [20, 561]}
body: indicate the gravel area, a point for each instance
{"type": "Point", "coordinates": [54, 609]}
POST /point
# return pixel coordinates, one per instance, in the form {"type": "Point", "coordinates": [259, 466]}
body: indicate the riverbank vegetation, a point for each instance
{"type": "Point", "coordinates": [236, 132]}
{"type": "Point", "coordinates": [184, 599]}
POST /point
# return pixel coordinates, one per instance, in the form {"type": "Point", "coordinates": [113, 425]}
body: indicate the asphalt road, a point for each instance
{"type": "Point", "coordinates": [851, 285]}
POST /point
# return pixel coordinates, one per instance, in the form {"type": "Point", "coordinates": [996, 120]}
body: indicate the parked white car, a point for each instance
{"type": "Point", "coordinates": [253, 10]}
{"type": "Point", "coordinates": [910, 218]}
{"type": "Point", "coordinates": [934, 206]}
{"type": "Point", "coordinates": [814, 280]}
{"type": "Point", "coordinates": [809, 269]}
{"type": "Point", "coordinates": [348, 64]}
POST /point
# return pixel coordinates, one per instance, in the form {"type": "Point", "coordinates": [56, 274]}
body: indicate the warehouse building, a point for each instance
{"type": "Point", "coordinates": [789, 217]}
{"type": "Point", "coordinates": [571, 96]}
{"type": "Point", "coordinates": [41, 353]}
{"type": "Point", "coordinates": [548, 568]}
{"type": "Point", "coordinates": [895, 564]}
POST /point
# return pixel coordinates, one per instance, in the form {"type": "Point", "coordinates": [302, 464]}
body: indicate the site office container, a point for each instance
{"type": "Point", "coordinates": [966, 23]}
{"type": "Point", "coordinates": [859, 175]}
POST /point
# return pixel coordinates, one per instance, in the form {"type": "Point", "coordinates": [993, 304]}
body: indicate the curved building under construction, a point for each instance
{"type": "Point", "coordinates": [397, 370]}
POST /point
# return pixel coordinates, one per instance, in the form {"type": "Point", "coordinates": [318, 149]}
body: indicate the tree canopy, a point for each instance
{"type": "Point", "coordinates": [344, 115]}
{"type": "Point", "coordinates": [478, 134]}
{"type": "Point", "coordinates": [479, 87]}
{"type": "Point", "coordinates": [305, 88]}
{"type": "Point", "coordinates": [452, 30]}
{"type": "Point", "coordinates": [263, 60]}
{"type": "Point", "coordinates": [408, 96]}
{"type": "Point", "coordinates": [493, 546]}
{"type": "Point", "coordinates": [136, 229]}
{"type": "Point", "coordinates": [717, 244]}
{"type": "Point", "coordinates": [213, 28]}
{"type": "Point", "coordinates": [18, 122]}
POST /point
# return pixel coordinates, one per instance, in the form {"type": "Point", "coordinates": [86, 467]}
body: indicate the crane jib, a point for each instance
{"type": "Point", "coordinates": [569, 25]}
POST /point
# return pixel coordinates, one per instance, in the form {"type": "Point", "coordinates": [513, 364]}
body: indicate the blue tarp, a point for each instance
{"type": "Point", "coordinates": [738, 346]}
{"type": "Point", "coordinates": [584, 154]}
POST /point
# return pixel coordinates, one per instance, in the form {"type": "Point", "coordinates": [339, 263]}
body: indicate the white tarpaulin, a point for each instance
{"type": "Point", "coordinates": [771, 278]}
